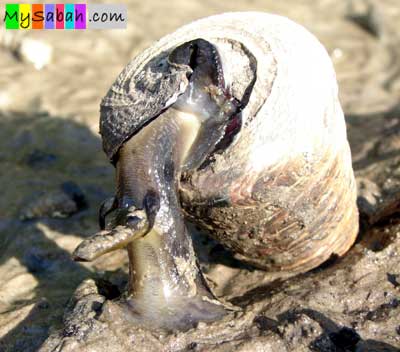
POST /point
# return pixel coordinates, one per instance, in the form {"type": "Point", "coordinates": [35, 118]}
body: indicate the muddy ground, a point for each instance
{"type": "Point", "coordinates": [54, 175]}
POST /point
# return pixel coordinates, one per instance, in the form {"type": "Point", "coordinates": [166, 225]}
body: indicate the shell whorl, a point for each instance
{"type": "Point", "coordinates": [285, 187]}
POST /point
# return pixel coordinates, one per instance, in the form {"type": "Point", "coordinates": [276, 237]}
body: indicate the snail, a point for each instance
{"type": "Point", "coordinates": [232, 122]}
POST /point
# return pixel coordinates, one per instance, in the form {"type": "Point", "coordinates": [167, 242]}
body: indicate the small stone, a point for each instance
{"type": "Point", "coordinates": [35, 52]}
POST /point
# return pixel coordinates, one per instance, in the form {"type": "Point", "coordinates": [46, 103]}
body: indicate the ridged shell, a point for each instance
{"type": "Point", "coordinates": [283, 194]}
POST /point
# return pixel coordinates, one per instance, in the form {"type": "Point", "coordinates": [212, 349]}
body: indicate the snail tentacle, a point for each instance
{"type": "Point", "coordinates": [106, 208]}
{"type": "Point", "coordinates": [110, 240]}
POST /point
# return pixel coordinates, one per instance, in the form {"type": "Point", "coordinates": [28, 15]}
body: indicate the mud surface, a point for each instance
{"type": "Point", "coordinates": [54, 175]}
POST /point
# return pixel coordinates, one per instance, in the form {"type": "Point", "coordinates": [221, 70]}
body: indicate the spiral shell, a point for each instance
{"type": "Point", "coordinates": [281, 193]}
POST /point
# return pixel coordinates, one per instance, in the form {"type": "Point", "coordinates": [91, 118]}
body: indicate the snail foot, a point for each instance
{"type": "Point", "coordinates": [182, 313]}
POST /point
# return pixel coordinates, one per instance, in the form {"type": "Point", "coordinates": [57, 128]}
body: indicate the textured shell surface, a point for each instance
{"type": "Point", "coordinates": [282, 194]}
{"type": "Point", "coordinates": [270, 42]}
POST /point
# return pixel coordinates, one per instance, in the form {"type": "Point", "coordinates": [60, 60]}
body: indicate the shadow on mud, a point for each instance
{"type": "Point", "coordinates": [39, 156]}
{"type": "Point", "coordinates": [337, 338]}
{"type": "Point", "coordinates": [368, 136]}
{"type": "Point", "coordinates": [334, 337]}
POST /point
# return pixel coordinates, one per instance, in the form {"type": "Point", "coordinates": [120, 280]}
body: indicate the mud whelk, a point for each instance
{"type": "Point", "coordinates": [232, 121]}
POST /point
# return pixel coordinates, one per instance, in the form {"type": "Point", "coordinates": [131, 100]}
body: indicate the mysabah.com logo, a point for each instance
{"type": "Point", "coordinates": [65, 16]}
